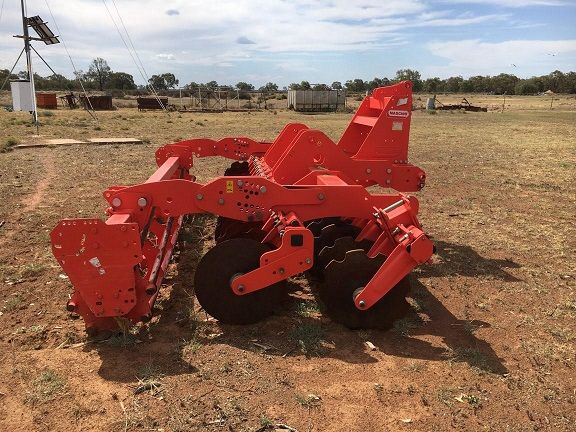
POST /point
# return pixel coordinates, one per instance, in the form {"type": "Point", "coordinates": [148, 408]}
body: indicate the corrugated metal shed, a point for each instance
{"type": "Point", "coordinates": [316, 100]}
{"type": "Point", "coordinates": [46, 100]}
{"type": "Point", "coordinates": [97, 102]}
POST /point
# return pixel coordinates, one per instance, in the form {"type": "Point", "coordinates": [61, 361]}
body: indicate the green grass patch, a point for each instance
{"type": "Point", "coordinates": [45, 387]}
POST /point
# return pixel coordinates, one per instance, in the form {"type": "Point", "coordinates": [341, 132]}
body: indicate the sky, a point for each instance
{"type": "Point", "coordinates": [285, 41]}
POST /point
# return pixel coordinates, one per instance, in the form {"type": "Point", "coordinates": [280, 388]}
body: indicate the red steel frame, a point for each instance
{"type": "Point", "coordinates": [117, 266]}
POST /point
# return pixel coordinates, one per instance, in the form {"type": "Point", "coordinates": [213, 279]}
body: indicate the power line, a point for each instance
{"type": "Point", "coordinates": [76, 74]}
{"type": "Point", "coordinates": [142, 70]}
{"type": "Point", "coordinates": [2, 10]}
{"type": "Point", "coordinates": [131, 43]}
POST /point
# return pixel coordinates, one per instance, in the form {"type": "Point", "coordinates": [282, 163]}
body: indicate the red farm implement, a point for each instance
{"type": "Point", "coordinates": [298, 204]}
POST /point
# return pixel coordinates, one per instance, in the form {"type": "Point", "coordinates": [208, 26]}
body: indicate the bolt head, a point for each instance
{"type": "Point", "coordinates": [321, 196]}
{"type": "Point", "coordinates": [368, 170]}
{"type": "Point", "coordinates": [241, 288]}
{"type": "Point", "coordinates": [221, 201]}
{"type": "Point", "coordinates": [116, 202]}
{"type": "Point", "coordinates": [281, 270]}
{"type": "Point", "coordinates": [142, 202]}
{"type": "Point", "coordinates": [199, 196]}
{"type": "Point", "coordinates": [389, 171]}
{"type": "Point", "coordinates": [263, 189]}
{"type": "Point", "coordinates": [240, 183]}
{"type": "Point", "coordinates": [308, 261]}
{"type": "Point", "coordinates": [361, 303]}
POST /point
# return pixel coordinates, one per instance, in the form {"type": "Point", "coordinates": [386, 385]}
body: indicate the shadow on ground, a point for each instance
{"type": "Point", "coordinates": [460, 260]}
{"type": "Point", "coordinates": [291, 333]}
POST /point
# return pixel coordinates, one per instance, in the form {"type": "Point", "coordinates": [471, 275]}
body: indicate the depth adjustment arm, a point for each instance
{"type": "Point", "coordinates": [405, 245]}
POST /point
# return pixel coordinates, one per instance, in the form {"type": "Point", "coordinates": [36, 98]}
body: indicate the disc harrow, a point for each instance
{"type": "Point", "coordinates": [296, 205]}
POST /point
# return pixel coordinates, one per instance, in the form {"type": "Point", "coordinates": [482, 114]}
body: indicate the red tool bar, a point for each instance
{"type": "Point", "coordinates": [166, 170]}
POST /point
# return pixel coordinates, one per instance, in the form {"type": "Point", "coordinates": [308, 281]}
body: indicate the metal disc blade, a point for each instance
{"type": "Point", "coordinates": [214, 274]}
{"type": "Point", "coordinates": [316, 225]}
{"type": "Point", "coordinates": [328, 236]}
{"type": "Point", "coordinates": [338, 250]}
{"type": "Point", "coordinates": [227, 229]}
{"type": "Point", "coordinates": [344, 277]}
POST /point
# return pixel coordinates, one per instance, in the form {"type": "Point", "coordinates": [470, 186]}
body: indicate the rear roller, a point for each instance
{"type": "Point", "coordinates": [344, 278]}
{"type": "Point", "coordinates": [213, 277]}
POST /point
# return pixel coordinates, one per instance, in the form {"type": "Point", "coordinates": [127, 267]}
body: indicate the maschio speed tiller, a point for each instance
{"type": "Point", "coordinates": [298, 204]}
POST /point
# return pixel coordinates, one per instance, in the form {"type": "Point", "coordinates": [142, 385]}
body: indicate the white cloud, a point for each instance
{"type": "Point", "coordinates": [165, 57]}
{"type": "Point", "coordinates": [204, 37]}
{"type": "Point", "coordinates": [513, 3]}
{"type": "Point", "coordinates": [475, 57]}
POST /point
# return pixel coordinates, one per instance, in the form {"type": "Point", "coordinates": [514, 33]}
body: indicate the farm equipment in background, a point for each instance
{"type": "Point", "coordinates": [298, 204]}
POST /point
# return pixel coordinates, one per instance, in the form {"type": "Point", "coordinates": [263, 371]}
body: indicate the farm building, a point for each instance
{"type": "Point", "coordinates": [316, 100]}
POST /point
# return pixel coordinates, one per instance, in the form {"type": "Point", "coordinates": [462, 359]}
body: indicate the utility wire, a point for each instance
{"type": "Point", "coordinates": [76, 74]}
{"type": "Point", "coordinates": [2, 10]}
{"type": "Point", "coordinates": [133, 47]}
{"type": "Point", "coordinates": [141, 71]}
{"type": "Point", "coordinates": [12, 70]}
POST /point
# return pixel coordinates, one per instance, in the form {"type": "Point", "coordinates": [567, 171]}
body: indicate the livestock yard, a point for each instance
{"type": "Point", "coordinates": [488, 346]}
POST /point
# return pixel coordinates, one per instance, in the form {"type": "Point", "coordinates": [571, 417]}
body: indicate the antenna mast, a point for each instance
{"type": "Point", "coordinates": [29, 63]}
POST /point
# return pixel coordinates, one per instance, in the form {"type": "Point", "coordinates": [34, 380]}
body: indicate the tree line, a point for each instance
{"type": "Point", "coordinates": [101, 77]}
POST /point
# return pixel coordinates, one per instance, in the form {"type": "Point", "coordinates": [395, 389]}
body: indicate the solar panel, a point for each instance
{"type": "Point", "coordinates": [42, 30]}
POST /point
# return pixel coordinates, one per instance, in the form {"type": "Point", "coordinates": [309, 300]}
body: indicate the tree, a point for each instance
{"type": "Point", "coordinates": [411, 75]}
{"type": "Point", "coordinates": [337, 85]}
{"type": "Point", "coordinates": [356, 85]}
{"type": "Point", "coordinates": [432, 85]}
{"type": "Point", "coordinates": [269, 88]}
{"type": "Point", "coordinates": [4, 73]}
{"type": "Point", "coordinates": [121, 81]}
{"type": "Point", "coordinates": [212, 85]}
{"type": "Point", "coordinates": [305, 85]}
{"type": "Point", "coordinates": [525, 87]}
{"type": "Point", "coordinates": [192, 86]}
{"type": "Point", "coordinates": [453, 84]}
{"type": "Point", "coordinates": [504, 83]}
{"type": "Point", "coordinates": [321, 87]}
{"type": "Point", "coordinates": [163, 82]}
{"type": "Point", "coordinates": [245, 87]}
{"type": "Point", "coordinates": [377, 82]}
{"type": "Point", "coordinates": [99, 72]}
{"type": "Point", "coordinates": [478, 84]}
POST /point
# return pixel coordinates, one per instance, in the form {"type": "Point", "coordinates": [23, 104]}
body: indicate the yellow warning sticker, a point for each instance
{"type": "Point", "coordinates": [229, 186]}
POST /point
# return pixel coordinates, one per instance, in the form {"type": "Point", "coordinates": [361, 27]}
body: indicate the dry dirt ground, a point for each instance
{"type": "Point", "coordinates": [490, 344]}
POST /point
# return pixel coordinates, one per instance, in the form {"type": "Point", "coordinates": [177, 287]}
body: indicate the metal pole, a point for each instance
{"type": "Point", "coordinates": [29, 63]}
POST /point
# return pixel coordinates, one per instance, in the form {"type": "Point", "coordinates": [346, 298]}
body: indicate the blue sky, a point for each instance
{"type": "Point", "coordinates": [321, 41]}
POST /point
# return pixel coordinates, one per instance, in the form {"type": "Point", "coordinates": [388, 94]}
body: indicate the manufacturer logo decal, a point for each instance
{"type": "Point", "coordinates": [398, 113]}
